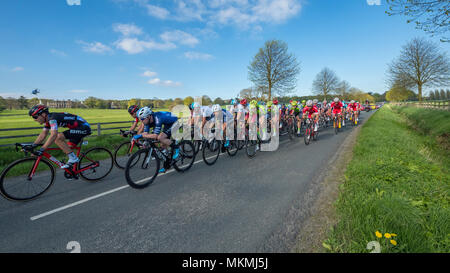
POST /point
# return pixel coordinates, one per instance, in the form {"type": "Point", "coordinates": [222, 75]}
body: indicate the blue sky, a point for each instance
{"type": "Point", "coordinates": [122, 49]}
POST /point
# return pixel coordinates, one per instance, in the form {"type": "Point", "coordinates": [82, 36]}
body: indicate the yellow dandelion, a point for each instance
{"type": "Point", "coordinates": [387, 235]}
{"type": "Point", "coordinates": [393, 234]}
{"type": "Point", "coordinates": [378, 234]}
{"type": "Point", "coordinates": [394, 242]}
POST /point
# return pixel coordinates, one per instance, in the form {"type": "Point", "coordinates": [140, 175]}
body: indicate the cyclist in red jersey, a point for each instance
{"type": "Point", "coordinates": [132, 110]}
{"type": "Point", "coordinates": [337, 107]}
{"type": "Point", "coordinates": [312, 112]}
{"type": "Point", "coordinates": [354, 107]}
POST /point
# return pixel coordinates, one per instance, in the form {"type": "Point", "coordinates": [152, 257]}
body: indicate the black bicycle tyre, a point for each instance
{"type": "Point", "coordinates": [132, 183]}
{"type": "Point", "coordinates": [117, 150]}
{"type": "Point", "coordinates": [206, 147]}
{"type": "Point", "coordinates": [110, 167]}
{"type": "Point", "coordinates": [10, 166]}
{"type": "Point", "coordinates": [181, 144]}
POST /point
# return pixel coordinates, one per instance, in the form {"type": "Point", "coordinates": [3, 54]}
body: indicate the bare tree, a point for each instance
{"type": "Point", "coordinates": [420, 64]}
{"type": "Point", "coordinates": [326, 83]}
{"type": "Point", "coordinates": [274, 68]}
{"type": "Point", "coordinates": [343, 89]}
{"type": "Point", "coordinates": [435, 14]}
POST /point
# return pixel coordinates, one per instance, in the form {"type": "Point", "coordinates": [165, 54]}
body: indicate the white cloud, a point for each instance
{"type": "Point", "coordinates": [95, 47]}
{"type": "Point", "coordinates": [198, 56]}
{"type": "Point", "coordinates": [149, 74]}
{"type": "Point", "coordinates": [168, 83]}
{"type": "Point", "coordinates": [17, 69]}
{"type": "Point", "coordinates": [374, 2]}
{"type": "Point", "coordinates": [179, 37]}
{"type": "Point", "coordinates": [157, 12]}
{"type": "Point", "coordinates": [135, 46]}
{"type": "Point", "coordinates": [73, 2]}
{"type": "Point", "coordinates": [127, 29]}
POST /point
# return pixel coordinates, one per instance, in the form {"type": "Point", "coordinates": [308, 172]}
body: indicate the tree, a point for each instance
{"type": "Point", "coordinates": [134, 102]}
{"type": "Point", "coordinates": [343, 89]}
{"type": "Point", "coordinates": [22, 102]}
{"type": "Point", "coordinates": [32, 102]}
{"type": "Point", "coordinates": [437, 95]}
{"type": "Point", "coordinates": [397, 93]}
{"type": "Point", "coordinates": [326, 83]}
{"type": "Point", "coordinates": [206, 100]}
{"type": "Point", "coordinates": [219, 101]}
{"type": "Point", "coordinates": [420, 64]}
{"type": "Point", "coordinates": [448, 94]}
{"type": "Point", "coordinates": [435, 14]}
{"type": "Point", "coordinates": [90, 102]}
{"type": "Point", "coordinates": [188, 100]}
{"type": "Point", "coordinates": [432, 95]}
{"type": "Point", "coordinates": [178, 101]}
{"type": "Point", "coordinates": [2, 104]}
{"type": "Point", "coordinates": [274, 68]}
{"type": "Point", "coordinates": [443, 95]}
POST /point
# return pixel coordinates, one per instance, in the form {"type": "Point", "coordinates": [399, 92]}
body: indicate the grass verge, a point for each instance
{"type": "Point", "coordinates": [397, 183]}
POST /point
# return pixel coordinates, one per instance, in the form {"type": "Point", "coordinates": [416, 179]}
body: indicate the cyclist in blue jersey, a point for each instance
{"type": "Point", "coordinates": [162, 124]}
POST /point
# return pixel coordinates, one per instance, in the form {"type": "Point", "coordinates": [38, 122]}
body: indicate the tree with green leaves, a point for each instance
{"type": "Point", "coordinates": [2, 104]}
{"type": "Point", "coordinates": [420, 64]}
{"type": "Point", "coordinates": [22, 102]}
{"type": "Point", "coordinates": [188, 100]}
{"type": "Point", "coordinates": [274, 68]}
{"type": "Point", "coordinates": [432, 16]}
{"type": "Point", "coordinates": [398, 93]}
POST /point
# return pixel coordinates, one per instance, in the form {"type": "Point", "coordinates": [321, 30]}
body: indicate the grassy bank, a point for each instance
{"type": "Point", "coordinates": [397, 183]}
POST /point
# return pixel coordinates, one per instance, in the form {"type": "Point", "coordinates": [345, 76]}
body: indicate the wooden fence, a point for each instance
{"type": "Point", "coordinates": [442, 104]}
{"type": "Point", "coordinates": [95, 127]}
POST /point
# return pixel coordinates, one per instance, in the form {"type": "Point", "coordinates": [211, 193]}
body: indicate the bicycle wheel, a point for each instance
{"type": "Point", "coordinates": [211, 151]}
{"type": "Point", "coordinates": [16, 183]}
{"type": "Point", "coordinates": [232, 149]}
{"type": "Point", "coordinates": [122, 154]}
{"type": "Point", "coordinates": [307, 136]}
{"type": "Point", "coordinates": [142, 168]}
{"type": "Point", "coordinates": [336, 126]}
{"type": "Point", "coordinates": [251, 148]}
{"type": "Point", "coordinates": [186, 158]}
{"type": "Point", "coordinates": [97, 163]}
{"type": "Point", "coordinates": [291, 129]}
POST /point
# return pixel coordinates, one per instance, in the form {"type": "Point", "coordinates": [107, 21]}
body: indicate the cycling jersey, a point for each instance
{"type": "Point", "coordinates": [160, 119]}
{"type": "Point", "coordinates": [310, 110]}
{"type": "Point", "coordinates": [226, 115]}
{"type": "Point", "coordinates": [78, 127]}
{"type": "Point", "coordinates": [353, 106]}
{"type": "Point", "coordinates": [205, 112]}
{"type": "Point", "coordinates": [337, 107]}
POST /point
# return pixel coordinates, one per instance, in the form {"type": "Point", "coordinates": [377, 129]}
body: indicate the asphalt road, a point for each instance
{"type": "Point", "coordinates": [237, 205]}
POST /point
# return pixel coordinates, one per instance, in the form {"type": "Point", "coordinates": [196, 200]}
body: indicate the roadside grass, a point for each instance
{"type": "Point", "coordinates": [391, 187]}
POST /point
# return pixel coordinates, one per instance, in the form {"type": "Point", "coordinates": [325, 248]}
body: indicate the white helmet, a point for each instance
{"type": "Point", "coordinates": [352, 101]}
{"type": "Point", "coordinates": [336, 99]}
{"type": "Point", "coordinates": [144, 112]}
{"type": "Point", "coordinates": [309, 103]}
{"type": "Point", "coordinates": [216, 108]}
{"type": "Point", "coordinates": [315, 101]}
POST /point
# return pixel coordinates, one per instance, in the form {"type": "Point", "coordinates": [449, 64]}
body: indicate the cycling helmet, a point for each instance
{"type": "Point", "coordinates": [233, 102]}
{"type": "Point", "coordinates": [352, 101]}
{"type": "Point", "coordinates": [144, 113]}
{"type": "Point", "coordinates": [336, 99]}
{"type": "Point", "coordinates": [324, 102]}
{"type": "Point", "coordinates": [303, 101]}
{"type": "Point", "coordinates": [216, 108]}
{"type": "Point", "coordinates": [315, 101]}
{"type": "Point", "coordinates": [253, 102]}
{"type": "Point", "coordinates": [269, 103]}
{"type": "Point", "coordinates": [244, 102]}
{"type": "Point", "coordinates": [133, 109]}
{"type": "Point", "coordinates": [275, 102]}
{"type": "Point", "coordinates": [293, 102]}
{"type": "Point", "coordinates": [309, 103]}
{"type": "Point", "coordinates": [37, 110]}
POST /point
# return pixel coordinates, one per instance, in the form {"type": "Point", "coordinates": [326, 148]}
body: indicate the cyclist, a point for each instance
{"type": "Point", "coordinates": [204, 113]}
{"type": "Point", "coordinates": [312, 112]}
{"type": "Point", "coordinates": [337, 107]}
{"type": "Point", "coordinates": [295, 111]}
{"type": "Point", "coordinates": [162, 124]}
{"type": "Point", "coordinates": [353, 108]}
{"type": "Point", "coordinates": [226, 116]}
{"type": "Point", "coordinates": [78, 129]}
{"type": "Point", "coordinates": [132, 110]}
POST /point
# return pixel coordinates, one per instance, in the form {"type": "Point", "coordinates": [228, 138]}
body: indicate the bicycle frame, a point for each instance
{"type": "Point", "coordinates": [55, 161]}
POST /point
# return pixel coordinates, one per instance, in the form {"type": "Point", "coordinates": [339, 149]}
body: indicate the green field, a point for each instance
{"type": "Point", "coordinates": [398, 182]}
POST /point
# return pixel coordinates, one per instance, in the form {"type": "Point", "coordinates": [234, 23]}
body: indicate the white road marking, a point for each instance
{"type": "Point", "coordinates": [99, 195]}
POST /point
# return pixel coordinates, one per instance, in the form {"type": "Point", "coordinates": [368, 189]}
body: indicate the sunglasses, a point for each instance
{"type": "Point", "coordinates": [36, 117]}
